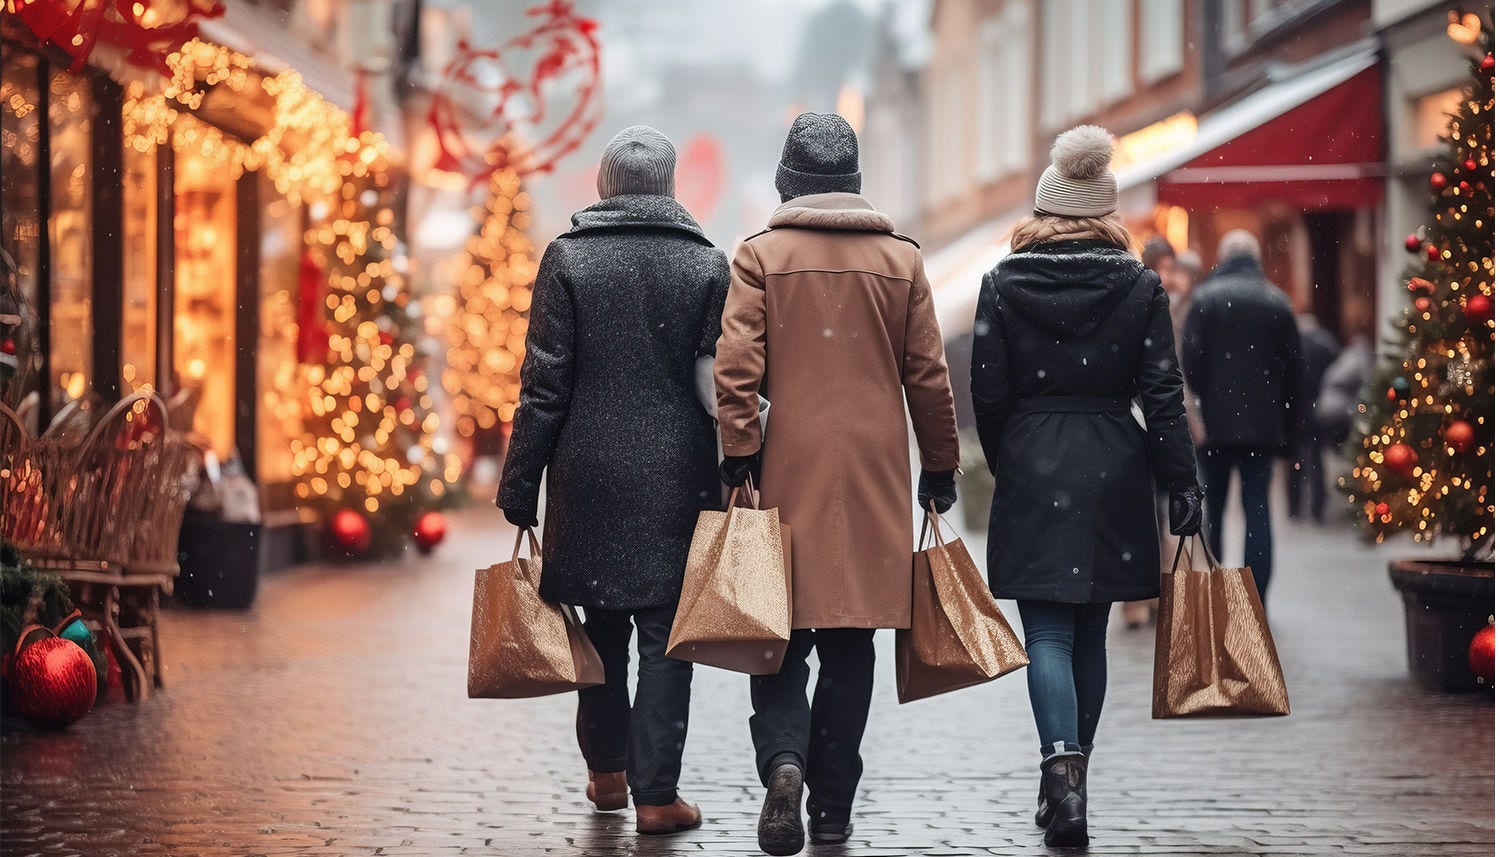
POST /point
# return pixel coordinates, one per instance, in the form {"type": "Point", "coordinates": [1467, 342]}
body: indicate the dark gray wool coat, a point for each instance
{"type": "Point", "coordinates": [624, 304]}
{"type": "Point", "coordinates": [1067, 333]}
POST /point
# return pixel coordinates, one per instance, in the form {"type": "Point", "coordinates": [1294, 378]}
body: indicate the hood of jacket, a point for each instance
{"type": "Point", "coordinates": [1065, 288]}
{"type": "Point", "coordinates": [632, 211]}
{"type": "Point", "coordinates": [837, 211]}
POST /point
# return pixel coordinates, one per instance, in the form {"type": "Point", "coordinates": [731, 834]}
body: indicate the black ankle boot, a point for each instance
{"type": "Point", "coordinates": [1044, 809]}
{"type": "Point", "coordinates": [1064, 777]}
{"type": "Point", "coordinates": [780, 830]}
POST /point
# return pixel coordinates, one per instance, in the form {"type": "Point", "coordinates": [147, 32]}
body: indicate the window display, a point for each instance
{"type": "Point", "coordinates": [138, 309]}
{"type": "Point", "coordinates": [70, 108]}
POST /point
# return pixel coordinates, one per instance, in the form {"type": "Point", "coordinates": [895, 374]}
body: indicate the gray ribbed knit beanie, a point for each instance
{"type": "Point", "coordinates": [821, 155]}
{"type": "Point", "coordinates": [1078, 182]}
{"type": "Point", "coordinates": [639, 159]}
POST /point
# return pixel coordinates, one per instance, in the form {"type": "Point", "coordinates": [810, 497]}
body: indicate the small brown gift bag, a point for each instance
{"type": "Point", "coordinates": [958, 637]}
{"type": "Point", "coordinates": [735, 612]}
{"type": "Point", "coordinates": [1214, 652]}
{"type": "Point", "coordinates": [519, 644]}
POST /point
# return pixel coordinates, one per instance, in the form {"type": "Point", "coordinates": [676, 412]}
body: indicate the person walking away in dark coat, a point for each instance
{"type": "Point", "coordinates": [1158, 255]}
{"type": "Point", "coordinates": [1343, 385]}
{"type": "Point", "coordinates": [1242, 355]}
{"type": "Point", "coordinates": [624, 304]}
{"type": "Point", "coordinates": [1305, 477]}
{"type": "Point", "coordinates": [837, 302]}
{"type": "Point", "coordinates": [1070, 328]}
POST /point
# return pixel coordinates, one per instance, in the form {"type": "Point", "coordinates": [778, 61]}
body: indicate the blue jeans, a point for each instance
{"type": "Point", "coordinates": [1067, 674]}
{"type": "Point", "coordinates": [1255, 496]}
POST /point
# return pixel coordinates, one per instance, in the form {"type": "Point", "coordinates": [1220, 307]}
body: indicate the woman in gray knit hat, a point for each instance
{"type": "Point", "coordinates": [624, 305]}
{"type": "Point", "coordinates": [1070, 328]}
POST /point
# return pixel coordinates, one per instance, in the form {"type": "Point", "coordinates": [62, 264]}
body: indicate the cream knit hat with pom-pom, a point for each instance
{"type": "Point", "coordinates": [1078, 182]}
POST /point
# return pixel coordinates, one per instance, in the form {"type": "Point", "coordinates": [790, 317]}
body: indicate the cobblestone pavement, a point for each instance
{"type": "Point", "coordinates": [332, 719]}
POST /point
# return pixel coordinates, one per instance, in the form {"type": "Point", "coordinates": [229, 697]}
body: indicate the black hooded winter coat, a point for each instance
{"type": "Point", "coordinates": [624, 305]}
{"type": "Point", "coordinates": [1066, 336]}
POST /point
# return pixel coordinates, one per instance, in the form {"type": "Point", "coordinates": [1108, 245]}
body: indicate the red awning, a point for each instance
{"type": "Point", "coordinates": [1325, 153]}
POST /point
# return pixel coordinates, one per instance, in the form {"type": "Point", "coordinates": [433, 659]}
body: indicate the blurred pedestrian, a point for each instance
{"type": "Point", "coordinates": [1070, 328]}
{"type": "Point", "coordinates": [1242, 355]}
{"type": "Point", "coordinates": [1305, 478]}
{"type": "Point", "coordinates": [832, 297]}
{"type": "Point", "coordinates": [624, 304]}
{"type": "Point", "coordinates": [1343, 385]}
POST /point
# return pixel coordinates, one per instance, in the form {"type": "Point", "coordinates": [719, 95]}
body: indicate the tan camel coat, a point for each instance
{"type": "Point", "coordinates": [829, 313]}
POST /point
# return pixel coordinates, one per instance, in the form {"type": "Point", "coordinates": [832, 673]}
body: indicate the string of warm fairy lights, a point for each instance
{"type": "Point", "coordinates": [1425, 463]}
{"type": "Point", "coordinates": [487, 336]}
{"type": "Point", "coordinates": [362, 423]}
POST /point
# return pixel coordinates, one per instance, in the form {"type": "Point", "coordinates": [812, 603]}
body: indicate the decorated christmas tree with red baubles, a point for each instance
{"type": "Point", "coordinates": [1424, 445]}
{"type": "Point", "coordinates": [370, 457]}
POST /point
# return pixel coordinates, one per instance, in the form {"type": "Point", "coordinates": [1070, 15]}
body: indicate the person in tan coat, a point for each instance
{"type": "Point", "coordinates": [830, 315]}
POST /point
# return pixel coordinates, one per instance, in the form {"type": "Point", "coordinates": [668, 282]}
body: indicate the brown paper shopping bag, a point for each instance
{"type": "Point", "coordinates": [958, 637]}
{"type": "Point", "coordinates": [521, 645]}
{"type": "Point", "coordinates": [1214, 652]}
{"type": "Point", "coordinates": [735, 612]}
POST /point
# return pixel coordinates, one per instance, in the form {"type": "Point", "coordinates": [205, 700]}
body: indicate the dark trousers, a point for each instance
{"type": "Point", "coordinates": [1305, 476]}
{"type": "Point", "coordinates": [1068, 672]}
{"type": "Point", "coordinates": [1255, 495]}
{"type": "Point", "coordinates": [784, 723]}
{"type": "Point", "coordinates": [645, 739]}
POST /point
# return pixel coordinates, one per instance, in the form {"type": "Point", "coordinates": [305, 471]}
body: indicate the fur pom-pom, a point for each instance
{"type": "Point", "coordinates": [1084, 152]}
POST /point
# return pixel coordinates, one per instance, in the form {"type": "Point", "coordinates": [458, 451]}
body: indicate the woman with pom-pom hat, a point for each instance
{"type": "Point", "coordinates": [1070, 329]}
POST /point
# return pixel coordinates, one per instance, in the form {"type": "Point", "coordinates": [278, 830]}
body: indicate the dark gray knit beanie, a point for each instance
{"type": "Point", "coordinates": [639, 159]}
{"type": "Point", "coordinates": [821, 155]}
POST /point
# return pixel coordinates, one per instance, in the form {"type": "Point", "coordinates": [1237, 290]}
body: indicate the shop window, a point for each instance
{"type": "Point", "coordinates": [1432, 115]}
{"type": "Point", "coordinates": [1162, 37]}
{"type": "Point", "coordinates": [203, 343]}
{"type": "Point", "coordinates": [20, 153]}
{"type": "Point", "coordinates": [138, 310]}
{"type": "Point", "coordinates": [281, 281]}
{"type": "Point", "coordinates": [70, 227]}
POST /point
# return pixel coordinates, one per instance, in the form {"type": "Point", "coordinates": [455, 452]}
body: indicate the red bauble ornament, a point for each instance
{"type": "Point", "coordinates": [1471, 165]}
{"type": "Point", "coordinates": [1487, 63]}
{"type": "Point", "coordinates": [1413, 243]}
{"type": "Point", "coordinates": [386, 338]}
{"type": "Point", "coordinates": [1482, 653]}
{"type": "Point", "coordinates": [1479, 309]}
{"type": "Point", "coordinates": [1439, 181]}
{"type": "Point", "coordinates": [430, 529]}
{"type": "Point", "coordinates": [53, 681]}
{"type": "Point", "coordinates": [403, 404]}
{"type": "Point", "coordinates": [350, 530]}
{"type": "Point", "coordinates": [1423, 304]}
{"type": "Point", "coordinates": [8, 347]}
{"type": "Point", "coordinates": [1460, 435]}
{"type": "Point", "coordinates": [1382, 509]}
{"type": "Point", "coordinates": [1390, 393]}
{"type": "Point", "coordinates": [1463, 186]}
{"type": "Point", "coordinates": [1433, 253]}
{"type": "Point", "coordinates": [1400, 457]}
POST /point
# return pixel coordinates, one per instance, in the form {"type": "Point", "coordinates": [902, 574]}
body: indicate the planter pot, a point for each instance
{"type": "Point", "coordinates": [221, 562]}
{"type": "Point", "coordinates": [1446, 605]}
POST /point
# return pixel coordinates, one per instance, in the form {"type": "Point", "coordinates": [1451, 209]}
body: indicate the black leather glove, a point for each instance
{"type": "Point", "coordinates": [521, 517]}
{"type": "Point", "coordinates": [937, 487]}
{"type": "Point", "coordinates": [1185, 510]}
{"type": "Point", "coordinates": [737, 468]}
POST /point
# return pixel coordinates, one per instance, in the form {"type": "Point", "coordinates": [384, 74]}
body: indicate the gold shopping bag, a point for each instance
{"type": "Point", "coordinates": [1214, 652]}
{"type": "Point", "coordinates": [735, 612]}
{"type": "Point", "coordinates": [521, 645]}
{"type": "Point", "coordinates": [958, 637]}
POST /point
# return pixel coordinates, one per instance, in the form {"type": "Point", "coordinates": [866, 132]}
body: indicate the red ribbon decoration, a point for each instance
{"type": "Point", "coordinates": [75, 26]}
{"type": "Point", "coordinates": [563, 47]}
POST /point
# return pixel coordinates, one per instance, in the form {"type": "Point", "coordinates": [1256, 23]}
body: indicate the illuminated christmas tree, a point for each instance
{"type": "Point", "coordinates": [1424, 450]}
{"type": "Point", "coordinates": [369, 458]}
{"type": "Point", "coordinates": [487, 337]}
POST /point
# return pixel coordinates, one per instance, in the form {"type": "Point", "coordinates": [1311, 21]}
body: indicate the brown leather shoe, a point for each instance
{"type": "Point", "coordinates": [675, 817]}
{"type": "Point", "coordinates": [608, 790]}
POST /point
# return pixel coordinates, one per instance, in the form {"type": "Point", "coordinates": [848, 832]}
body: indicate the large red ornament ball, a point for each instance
{"type": "Point", "coordinates": [350, 530]}
{"type": "Point", "coordinates": [1413, 243]}
{"type": "Point", "coordinates": [1433, 253]}
{"type": "Point", "coordinates": [53, 681]}
{"type": "Point", "coordinates": [429, 530]}
{"type": "Point", "coordinates": [1400, 457]}
{"type": "Point", "coordinates": [1479, 309]}
{"type": "Point", "coordinates": [1439, 181]}
{"type": "Point", "coordinates": [1482, 653]}
{"type": "Point", "coordinates": [1460, 435]}
{"type": "Point", "coordinates": [8, 346]}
